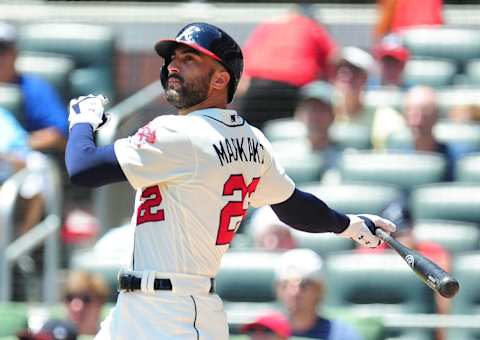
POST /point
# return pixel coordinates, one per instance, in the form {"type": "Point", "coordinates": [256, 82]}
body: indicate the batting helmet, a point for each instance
{"type": "Point", "coordinates": [209, 40]}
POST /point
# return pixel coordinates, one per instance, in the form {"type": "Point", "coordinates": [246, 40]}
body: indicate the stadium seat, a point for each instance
{"type": "Point", "coordinates": [350, 135]}
{"type": "Point", "coordinates": [462, 138]}
{"type": "Point", "coordinates": [466, 135]}
{"type": "Point", "coordinates": [472, 72]}
{"type": "Point", "coordinates": [323, 244]}
{"type": "Point", "coordinates": [447, 201]}
{"type": "Point", "coordinates": [247, 276]}
{"type": "Point", "coordinates": [468, 169]}
{"type": "Point", "coordinates": [90, 46]}
{"type": "Point", "coordinates": [11, 100]}
{"type": "Point", "coordinates": [375, 283]}
{"type": "Point", "coordinates": [466, 269]}
{"type": "Point", "coordinates": [13, 318]}
{"type": "Point", "coordinates": [452, 96]}
{"type": "Point", "coordinates": [431, 72]}
{"type": "Point", "coordinates": [52, 67]}
{"type": "Point", "coordinates": [355, 198]}
{"type": "Point", "coordinates": [459, 45]}
{"type": "Point", "coordinates": [300, 163]}
{"type": "Point", "coordinates": [284, 129]}
{"type": "Point", "coordinates": [403, 170]}
{"type": "Point", "coordinates": [456, 237]}
{"type": "Point", "coordinates": [384, 97]}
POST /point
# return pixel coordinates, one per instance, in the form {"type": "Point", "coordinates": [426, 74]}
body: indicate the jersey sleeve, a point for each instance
{"type": "Point", "coordinates": [275, 185]}
{"type": "Point", "coordinates": [157, 153]}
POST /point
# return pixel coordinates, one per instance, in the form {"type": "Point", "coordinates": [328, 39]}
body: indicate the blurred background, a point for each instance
{"type": "Point", "coordinates": [372, 105]}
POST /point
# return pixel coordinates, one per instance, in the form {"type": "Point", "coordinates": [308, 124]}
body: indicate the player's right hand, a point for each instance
{"type": "Point", "coordinates": [362, 229]}
{"type": "Point", "coordinates": [88, 109]}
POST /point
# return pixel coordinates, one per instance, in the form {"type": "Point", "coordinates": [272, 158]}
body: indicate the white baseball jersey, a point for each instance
{"type": "Point", "coordinates": [195, 177]}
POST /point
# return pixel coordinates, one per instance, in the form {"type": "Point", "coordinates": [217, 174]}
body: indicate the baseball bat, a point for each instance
{"type": "Point", "coordinates": [430, 273]}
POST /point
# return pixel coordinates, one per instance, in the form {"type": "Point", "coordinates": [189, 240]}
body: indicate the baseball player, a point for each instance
{"type": "Point", "coordinates": [195, 174]}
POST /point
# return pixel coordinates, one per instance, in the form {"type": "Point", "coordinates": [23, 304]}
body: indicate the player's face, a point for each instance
{"type": "Point", "coordinates": [189, 77]}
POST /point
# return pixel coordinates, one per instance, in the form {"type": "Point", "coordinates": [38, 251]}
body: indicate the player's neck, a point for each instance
{"type": "Point", "coordinates": [214, 101]}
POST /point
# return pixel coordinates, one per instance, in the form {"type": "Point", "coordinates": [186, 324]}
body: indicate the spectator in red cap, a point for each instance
{"type": "Point", "coordinates": [271, 326]}
{"type": "Point", "coordinates": [392, 56]}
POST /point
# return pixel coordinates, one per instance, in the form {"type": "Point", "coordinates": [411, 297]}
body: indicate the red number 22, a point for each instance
{"type": "Point", "coordinates": [234, 211]}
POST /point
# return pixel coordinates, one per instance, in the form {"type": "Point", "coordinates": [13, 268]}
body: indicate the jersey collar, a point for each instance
{"type": "Point", "coordinates": [226, 117]}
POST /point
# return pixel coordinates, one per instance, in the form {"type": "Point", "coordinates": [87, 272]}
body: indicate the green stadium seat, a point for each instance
{"type": "Point", "coordinates": [13, 318]}
{"type": "Point", "coordinates": [456, 237]}
{"type": "Point", "coordinates": [350, 135]}
{"type": "Point", "coordinates": [472, 71]}
{"type": "Point", "coordinates": [447, 201]}
{"type": "Point", "coordinates": [91, 47]}
{"type": "Point", "coordinates": [403, 170]}
{"type": "Point", "coordinates": [300, 163]}
{"type": "Point", "coordinates": [384, 97]}
{"type": "Point", "coordinates": [449, 97]}
{"type": "Point", "coordinates": [459, 45]}
{"type": "Point", "coordinates": [468, 169]}
{"type": "Point", "coordinates": [11, 100]}
{"type": "Point", "coordinates": [364, 198]}
{"type": "Point", "coordinates": [52, 67]}
{"type": "Point", "coordinates": [375, 283]}
{"type": "Point", "coordinates": [247, 276]}
{"type": "Point", "coordinates": [323, 244]}
{"type": "Point", "coordinates": [284, 129]}
{"type": "Point", "coordinates": [466, 135]}
{"type": "Point", "coordinates": [431, 72]}
{"type": "Point", "coordinates": [466, 269]}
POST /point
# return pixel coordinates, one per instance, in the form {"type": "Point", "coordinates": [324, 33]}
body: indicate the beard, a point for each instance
{"type": "Point", "coordinates": [188, 93]}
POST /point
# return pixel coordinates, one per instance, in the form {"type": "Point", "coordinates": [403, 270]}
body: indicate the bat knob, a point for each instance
{"type": "Point", "coordinates": [448, 287]}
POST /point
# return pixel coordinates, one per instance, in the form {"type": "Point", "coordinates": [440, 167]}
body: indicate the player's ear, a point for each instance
{"type": "Point", "coordinates": [220, 79]}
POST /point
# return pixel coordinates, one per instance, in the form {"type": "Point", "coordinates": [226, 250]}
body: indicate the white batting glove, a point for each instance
{"type": "Point", "coordinates": [362, 229]}
{"type": "Point", "coordinates": [88, 109]}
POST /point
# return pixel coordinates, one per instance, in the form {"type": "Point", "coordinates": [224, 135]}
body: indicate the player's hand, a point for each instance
{"type": "Point", "coordinates": [362, 229]}
{"type": "Point", "coordinates": [88, 109]}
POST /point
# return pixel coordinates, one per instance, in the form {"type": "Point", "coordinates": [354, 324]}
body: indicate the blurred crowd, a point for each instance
{"type": "Point", "coordinates": [310, 95]}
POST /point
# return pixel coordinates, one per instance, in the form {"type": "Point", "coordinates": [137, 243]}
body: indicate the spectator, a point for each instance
{"type": "Point", "coordinates": [300, 289]}
{"type": "Point", "coordinates": [271, 326]}
{"type": "Point", "coordinates": [421, 112]}
{"type": "Point", "coordinates": [282, 55]}
{"type": "Point", "coordinates": [392, 57]}
{"type": "Point", "coordinates": [397, 15]}
{"type": "Point", "coordinates": [316, 110]}
{"type": "Point", "coordinates": [351, 72]}
{"type": "Point", "coordinates": [398, 212]}
{"type": "Point", "coordinates": [269, 233]}
{"type": "Point", "coordinates": [51, 330]}
{"type": "Point", "coordinates": [15, 154]}
{"type": "Point", "coordinates": [45, 114]}
{"type": "Point", "coordinates": [84, 296]}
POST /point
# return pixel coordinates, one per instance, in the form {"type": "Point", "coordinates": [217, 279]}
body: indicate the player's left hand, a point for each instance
{"type": "Point", "coordinates": [88, 109]}
{"type": "Point", "coordinates": [362, 229]}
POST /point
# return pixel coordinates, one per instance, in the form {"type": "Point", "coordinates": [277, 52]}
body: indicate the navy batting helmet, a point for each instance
{"type": "Point", "coordinates": [209, 40]}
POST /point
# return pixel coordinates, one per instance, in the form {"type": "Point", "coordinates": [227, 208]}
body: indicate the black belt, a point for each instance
{"type": "Point", "coordinates": [130, 282]}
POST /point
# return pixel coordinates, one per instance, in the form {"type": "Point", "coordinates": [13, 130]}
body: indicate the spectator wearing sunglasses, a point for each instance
{"type": "Point", "coordinates": [271, 326]}
{"type": "Point", "coordinates": [84, 296]}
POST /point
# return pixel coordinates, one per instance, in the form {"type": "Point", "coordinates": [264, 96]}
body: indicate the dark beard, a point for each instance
{"type": "Point", "coordinates": [189, 93]}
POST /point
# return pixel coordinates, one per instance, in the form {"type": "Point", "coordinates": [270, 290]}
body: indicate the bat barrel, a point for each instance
{"type": "Point", "coordinates": [448, 287]}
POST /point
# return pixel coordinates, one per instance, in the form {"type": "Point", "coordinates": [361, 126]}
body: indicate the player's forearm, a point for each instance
{"type": "Point", "coordinates": [87, 164]}
{"type": "Point", "coordinates": [303, 211]}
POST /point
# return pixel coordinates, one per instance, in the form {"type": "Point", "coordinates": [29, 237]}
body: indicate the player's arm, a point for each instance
{"type": "Point", "coordinates": [87, 164]}
{"type": "Point", "coordinates": [306, 212]}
